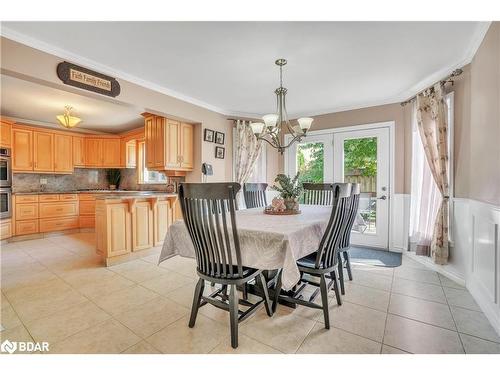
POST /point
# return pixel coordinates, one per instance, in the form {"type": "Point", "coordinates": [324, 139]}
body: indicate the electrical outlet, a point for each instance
{"type": "Point", "coordinates": [43, 181]}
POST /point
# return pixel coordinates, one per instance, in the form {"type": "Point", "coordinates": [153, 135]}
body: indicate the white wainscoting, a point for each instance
{"type": "Point", "coordinates": [399, 222]}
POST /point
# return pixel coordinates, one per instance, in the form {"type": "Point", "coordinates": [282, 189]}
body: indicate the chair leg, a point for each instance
{"type": "Point", "coordinates": [324, 300]}
{"type": "Point", "coordinates": [277, 291]}
{"type": "Point", "coordinates": [198, 292]}
{"type": "Point", "coordinates": [245, 292]}
{"type": "Point", "coordinates": [233, 315]}
{"type": "Point", "coordinates": [348, 264]}
{"type": "Point", "coordinates": [341, 274]}
{"type": "Point", "coordinates": [336, 287]}
{"type": "Point", "coordinates": [267, 301]}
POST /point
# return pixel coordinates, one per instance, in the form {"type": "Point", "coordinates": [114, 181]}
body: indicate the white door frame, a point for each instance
{"type": "Point", "coordinates": [391, 125]}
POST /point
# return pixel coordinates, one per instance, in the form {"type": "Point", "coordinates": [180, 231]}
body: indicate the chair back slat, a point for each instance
{"type": "Point", "coordinates": [320, 194]}
{"type": "Point", "coordinates": [255, 194]}
{"type": "Point", "coordinates": [353, 204]}
{"type": "Point", "coordinates": [328, 248]}
{"type": "Point", "coordinates": [209, 212]}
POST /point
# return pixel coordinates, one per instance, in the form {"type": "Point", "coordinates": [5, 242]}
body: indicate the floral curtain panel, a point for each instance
{"type": "Point", "coordinates": [433, 130]}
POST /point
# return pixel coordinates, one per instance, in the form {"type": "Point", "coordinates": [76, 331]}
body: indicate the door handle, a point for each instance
{"type": "Point", "coordinates": [383, 197]}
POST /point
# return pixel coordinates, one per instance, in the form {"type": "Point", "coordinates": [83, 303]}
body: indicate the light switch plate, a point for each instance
{"type": "Point", "coordinates": [43, 181]}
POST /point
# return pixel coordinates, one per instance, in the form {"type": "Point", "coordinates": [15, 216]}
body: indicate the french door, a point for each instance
{"type": "Point", "coordinates": [357, 156]}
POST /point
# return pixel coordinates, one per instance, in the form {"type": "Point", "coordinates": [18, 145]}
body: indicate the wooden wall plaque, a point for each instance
{"type": "Point", "coordinates": [87, 79]}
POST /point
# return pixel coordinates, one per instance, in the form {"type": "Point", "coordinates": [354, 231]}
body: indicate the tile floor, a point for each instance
{"type": "Point", "coordinates": [56, 290]}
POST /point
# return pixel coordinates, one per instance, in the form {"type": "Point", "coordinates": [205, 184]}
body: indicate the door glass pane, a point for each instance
{"type": "Point", "coordinates": [310, 161]}
{"type": "Point", "coordinates": [360, 166]}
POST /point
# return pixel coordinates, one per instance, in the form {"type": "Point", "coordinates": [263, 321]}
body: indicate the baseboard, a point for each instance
{"type": "Point", "coordinates": [446, 271]}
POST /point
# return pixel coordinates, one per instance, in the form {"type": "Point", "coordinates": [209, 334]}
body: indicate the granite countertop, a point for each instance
{"type": "Point", "coordinates": [100, 192]}
{"type": "Point", "coordinates": [136, 194]}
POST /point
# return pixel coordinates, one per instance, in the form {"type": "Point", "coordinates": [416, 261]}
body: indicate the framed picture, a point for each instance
{"type": "Point", "coordinates": [220, 152]}
{"type": "Point", "coordinates": [219, 138]}
{"type": "Point", "coordinates": [208, 136]}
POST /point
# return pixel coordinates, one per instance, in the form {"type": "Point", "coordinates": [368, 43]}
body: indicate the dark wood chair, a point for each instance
{"type": "Point", "coordinates": [345, 242]}
{"type": "Point", "coordinates": [209, 212]}
{"type": "Point", "coordinates": [321, 194]}
{"type": "Point", "coordinates": [255, 195]}
{"type": "Point", "coordinates": [323, 262]}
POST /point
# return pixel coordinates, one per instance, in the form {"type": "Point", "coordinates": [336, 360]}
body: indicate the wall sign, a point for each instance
{"type": "Point", "coordinates": [87, 79]}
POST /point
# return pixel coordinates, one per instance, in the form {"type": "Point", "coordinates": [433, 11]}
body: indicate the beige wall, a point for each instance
{"type": "Point", "coordinates": [30, 64]}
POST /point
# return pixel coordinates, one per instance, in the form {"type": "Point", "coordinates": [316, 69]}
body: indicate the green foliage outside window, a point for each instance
{"type": "Point", "coordinates": [360, 156]}
{"type": "Point", "coordinates": [310, 162]}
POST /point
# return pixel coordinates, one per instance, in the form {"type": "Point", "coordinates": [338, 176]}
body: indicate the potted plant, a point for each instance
{"type": "Point", "coordinates": [114, 177]}
{"type": "Point", "coordinates": [289, 189]}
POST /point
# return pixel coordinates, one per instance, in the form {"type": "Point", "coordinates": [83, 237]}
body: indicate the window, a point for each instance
{"type": "Point", "coordinates": [145, 176]}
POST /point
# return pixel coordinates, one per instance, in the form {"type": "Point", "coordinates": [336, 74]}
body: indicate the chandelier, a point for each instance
{"type": "Point", "coordinates": [67, 120]}
{"type": "Point", "coordinates": [271, 130]}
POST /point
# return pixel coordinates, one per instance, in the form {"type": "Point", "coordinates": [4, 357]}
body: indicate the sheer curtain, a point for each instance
{"type": "Point", "coordinates": [425, 195]}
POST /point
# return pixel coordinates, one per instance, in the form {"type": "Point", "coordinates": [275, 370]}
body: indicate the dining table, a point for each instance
{"type": "Point", "coordinates": [267, 242]}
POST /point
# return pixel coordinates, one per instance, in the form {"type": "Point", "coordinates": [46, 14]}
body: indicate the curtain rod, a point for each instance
{"type": "Point", "coordinates": [448, 79]}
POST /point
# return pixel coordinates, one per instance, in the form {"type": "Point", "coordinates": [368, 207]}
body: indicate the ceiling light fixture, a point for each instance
{"type": "Point", "coordinates": [67, 120]}
{"type": "Point", "coordinates": [272, 128]}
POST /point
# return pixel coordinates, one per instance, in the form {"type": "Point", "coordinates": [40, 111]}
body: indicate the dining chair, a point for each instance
{"type": "Point", "coordinates": [209, 212]}
{"type": "Point", "coordinates": [255, 194]}
{"type": "Point", "coordinates": [321, 194]}
{"type": "Point", "coordinates": [345, 242]}
{"type": "Point", "coordinates": [322, 262]}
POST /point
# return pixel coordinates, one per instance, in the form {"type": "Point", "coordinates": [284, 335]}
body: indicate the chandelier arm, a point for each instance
{"type": "Point", "coordinates": [266, 140]}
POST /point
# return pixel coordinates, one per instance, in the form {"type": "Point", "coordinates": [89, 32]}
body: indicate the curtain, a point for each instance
{"type": "Point", "coordinates": [433, 130]}
{"type": "Point", "coordinates": [248, 150]}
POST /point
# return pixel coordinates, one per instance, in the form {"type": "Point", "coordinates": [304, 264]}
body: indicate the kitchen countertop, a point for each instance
{"type": "Point", "coordinates": [106, 192]}
{"type": "Point", "coordinates": [136, 194]}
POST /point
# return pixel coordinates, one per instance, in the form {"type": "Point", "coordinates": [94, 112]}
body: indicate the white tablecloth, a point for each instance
{"type": "Point", "coordinates": [267, 242]}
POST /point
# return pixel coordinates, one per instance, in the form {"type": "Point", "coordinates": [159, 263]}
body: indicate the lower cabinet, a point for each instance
{"type": "Point", "coordinates": [5, 229]}
{"type": "Point", "coordinates": [163, 217]}
{"type": "Point", "coordinates": [26, 227]}
{"type": "Point", "coordinates": [57, 224]}
{"type": "Point", "coordinates": [113, 228]}
{"type": "Point", "coordinates": [142, 226]}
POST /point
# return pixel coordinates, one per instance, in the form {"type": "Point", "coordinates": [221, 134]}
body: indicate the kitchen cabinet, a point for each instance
{"type": "Point", "coordinates": [5, 229]}
{"type": "Point", "coordinates": [93, 152]}
{"type": "Point", "coordinates": [150, 138]}
{"type": "Point", "coordinates": [163, 218]}
{"type": "Point", "coordinates": [142, 226]}
{"type": "Point", "coordinates": [22, 150]}
{"type": "Point", "coordinates": [5, 134]}
{"type": "Point", "coordinates": [131, 154]}
{"type": "Point", "coordinates": [78, 151]}
{"type": "Point", "coordinates": [186, 145]}
{"type": "Point", "coordinates": [172, 143]}
{"type": "Point", "coordinates": [26, 211]}
{"type": "Point", "coordinates": [43, 152]}
{"type": "Point", "coordinates": [63, 153]}
{"type": "Point", "coordinates": [113, 228]}
{"type": "Point", "coordinates": [111, 153]}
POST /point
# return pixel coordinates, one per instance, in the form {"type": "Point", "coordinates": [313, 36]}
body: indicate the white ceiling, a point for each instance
{"type": "Point", "coordinates": [229, 66]}
{"type": "Point", "coordinates": [33, 102]}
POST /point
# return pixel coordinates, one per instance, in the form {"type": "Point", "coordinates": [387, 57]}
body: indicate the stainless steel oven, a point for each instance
{"type": "Point", "coordinates": [5, 203]}
{"type": "Point", "coordinates": [5, 168]}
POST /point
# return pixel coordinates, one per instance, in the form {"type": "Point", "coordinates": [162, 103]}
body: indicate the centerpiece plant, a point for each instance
{"type": "Point", "coordinates": [290, 190]}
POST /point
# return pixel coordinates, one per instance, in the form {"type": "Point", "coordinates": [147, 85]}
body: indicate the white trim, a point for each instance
{"type": "Point", "coordinates": [428, 262]}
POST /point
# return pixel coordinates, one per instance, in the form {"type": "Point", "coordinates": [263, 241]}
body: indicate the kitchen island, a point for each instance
{"type": "Point", "coordinates": [126, 224]}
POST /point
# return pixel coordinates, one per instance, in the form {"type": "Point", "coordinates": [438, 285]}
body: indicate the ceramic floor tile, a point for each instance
{"type": "Point", "coordinates": [366, 296]}
{"type": "Point", "coordinates": [125, 299]}
{"type": "Point", "coordinates": [18, 280]}
{"type": "Point", "coordinates": [18, 333]}
{"type": "Point", "coordinates": [408, 262]}
{"type": "Point", "coordinates": [360, 320]}
{"type": "Point", "coordinates": [246, 345]}
{"type": "Point", "coordinates": [336, 341]}
{"type": "Point", "coordinates": [474, 345]}
{"type": "Point", "coordinates": [150, 317]}
{"type": "Point", "coordinates": [416, 274]}
{"type": "Point", "coordinates": [184, 295]}
{"type": "Point", "coordinates": [386, 349]}
{"type": "Point", "coordinates": [420, 338]}
{"type": "Point", "coordinates": [374, 270]}
{"type": "Point", "coordinates": [107, 337]}
{"type": "Point", "coordinates": [418, 289]}
{"type": "Point", "coordinates": [284, 331]}
{"type": "Point", "coordinates": [167, 283]}
{"type": "Point", "coordinates": [141, 348]}
{"type": "Point", "coordinates": [449, 283]}
{"type": "Point", "coordinates": [182, 265]}
{"type": "Point", "coordinates": [9, 318]}
{"type": "Point", "coordinates": [474, 323]}
{"type": "Point", "coordinates": [367, 278]}
{"type": "Point", "coordinates": [138, 270]}
{"type": "Point", "coordinates": [103, 286]}
{"type": "Point", "coordinates": [424, 311]}
{"type": "Point", "coordinates": [65, 323]}
{"type": "Point", "coordinates": [178, 338]}
{"type": "Point", "coordinates": [460, 298]}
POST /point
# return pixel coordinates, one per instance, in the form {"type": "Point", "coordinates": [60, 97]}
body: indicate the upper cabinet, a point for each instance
{"type": "Point", "coordinates": [5, 134]}
{"type": "Point", "coordinates": [93, 152]}
{"type": "Point", "coordinates": [43, 152]}
{"type": "Point", "coordinates": [169, 144]}
{"type": "Point", "coordinates": [78, 151]}
{"type": "Point", "coordinates": [63, 153]}
{"type": "Point", "coordinates": [22, 150]}
{"type": "Point", "coordinates": [111, 153]}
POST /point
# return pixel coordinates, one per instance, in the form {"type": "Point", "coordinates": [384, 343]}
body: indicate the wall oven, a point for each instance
{"type": "Point", "coordinates": [5, 203]}
{"type": "Point", "coordinates": [5, 168]}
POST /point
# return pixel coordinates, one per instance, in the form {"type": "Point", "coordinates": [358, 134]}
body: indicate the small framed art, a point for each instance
{"type": "Point", "coordinates": [220, 152]}
{"type": "Point", "coordinates": [219, 138]}
{"type": "Point", "coordinates": [208, 135]}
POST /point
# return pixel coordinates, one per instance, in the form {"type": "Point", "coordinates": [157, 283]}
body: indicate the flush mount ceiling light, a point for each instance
{"type": "Point", "coordinates": [67, 120]}
{"type": "Point", "coordinates": [274, 124]}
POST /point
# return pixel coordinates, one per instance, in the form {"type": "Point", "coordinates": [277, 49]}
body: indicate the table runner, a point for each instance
{"type": "Point", "coordinates": [267, 242]}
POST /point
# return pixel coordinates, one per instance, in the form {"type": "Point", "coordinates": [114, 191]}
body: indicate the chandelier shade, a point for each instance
{"type": "Point", "coordinates": [66, 120]}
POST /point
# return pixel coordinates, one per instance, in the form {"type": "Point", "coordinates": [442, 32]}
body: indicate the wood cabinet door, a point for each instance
{"type": "Point", "coordinates": [79, 151]}
{"type": "Point", "coordinates": [22, 150]}
{"type": "Point", "coordinates": [159, 142]}
{"type": "Point", "coordinates": [43, 152]}
{"type": "Point", "coordinates": [142, 226]}
{"type": "Point", "coordinates": [186, 145]}
{"type": "Point", "coordinates": [111, 153]}
{"type": "Point", "coordinates": [131, 154]}
{"type": "Point", "coordinates": [172, 135]}
{"type": "Point", "coordinates": [63, 153]}
{"type": "Point", "coordinates": [117, 229]}
{"type": "Point", "coordinates": [5, 134]}
{"type": "Point", "coordinates": [162, 220]}
{"type": "Point", "coordinates": [93, 152]}
{"type": "Point", "coordinates": [149, 133]}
